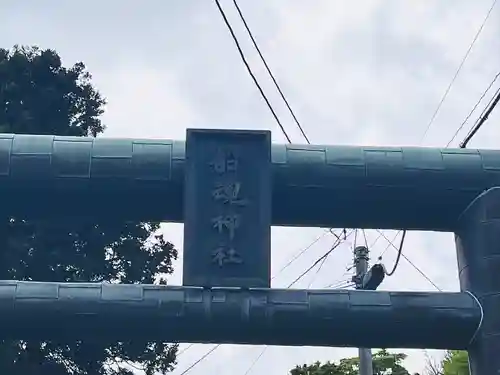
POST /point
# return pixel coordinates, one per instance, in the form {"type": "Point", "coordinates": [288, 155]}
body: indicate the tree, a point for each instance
{"type": "Point", "coordinates": [455, 362]}
{"type": "Point", "coordinates": [383, 363]}
{"type": "Point", "coordinates": [40, 96]}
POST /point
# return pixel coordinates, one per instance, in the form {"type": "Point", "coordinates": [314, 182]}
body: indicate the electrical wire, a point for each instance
{"type": "Point", "coordinates": [301, 252]}
{"type": "Point", "coordinates": [264, 349]}
{"type": "Point", "coordinates": [318, 270]}
{"type": "Point", "coordinates": [398, 257]}
{"type": "Point", "coordinates": [338, 240]}
{"type": "Point", "coordinates": [409, 261]}
{"type": "Point", "coordinates": [292, 113]}
{"type": "Point", "coordinates": [473, 109]}
{"type": "Point", "coordinates": [445, 95]}
{"type": "Point", "coordinates": [184, 350]}
{"type": "Point", "coordinates": [482, 119]}
{"type": "Point", "coordinates": [201, 359]}
{"type": "Point", "coordinates": [340, 285]}
{"type": "Point", "coordinates": [243, 58]}
{"type": "Point", "coordinates": [400, 248]}
{"type": "Point", "coordinates": [390, 242]}
{"type": "Point", "coordinates": [269, 71]}
{"type": "Point", "coordinates": [322, 258]}
{"type": "Point", "coordinates": [421, 272]}
{"type": "Point", "coordinates": [335, 245]}
{"type": "Point", "coordinates": [341, 281]}
{"type": "Point", "coordinates": [364, 235]}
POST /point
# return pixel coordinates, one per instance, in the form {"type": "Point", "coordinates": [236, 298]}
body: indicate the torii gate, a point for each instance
{"type": "Point", "coordinates": [228, 187]}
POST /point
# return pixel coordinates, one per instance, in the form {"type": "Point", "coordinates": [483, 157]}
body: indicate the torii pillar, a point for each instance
{"type": "Point", "coordinates": [477, 239]}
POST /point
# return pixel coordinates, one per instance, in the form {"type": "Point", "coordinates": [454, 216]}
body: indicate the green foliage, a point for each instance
{"type": "Point", "coordinates": [456, 362]}
{"type": "Point", "coordinates": [384, 363]}
{"type": "Point", "coordinates": [40, 96]}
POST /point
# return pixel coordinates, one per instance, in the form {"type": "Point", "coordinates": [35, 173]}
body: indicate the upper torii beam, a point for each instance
{"type": "Point", "coordinates": [137, 179]}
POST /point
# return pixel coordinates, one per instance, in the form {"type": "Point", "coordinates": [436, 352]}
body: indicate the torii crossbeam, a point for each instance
{"type": "Point", "coordinates": [226, 294]}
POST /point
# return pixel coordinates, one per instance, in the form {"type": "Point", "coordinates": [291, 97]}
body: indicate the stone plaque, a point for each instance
{"type": "Point", "coordinates": [227, 208]}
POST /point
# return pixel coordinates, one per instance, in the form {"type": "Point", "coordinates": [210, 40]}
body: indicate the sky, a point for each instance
{"type": "Point", "coordinates": [359, 72]}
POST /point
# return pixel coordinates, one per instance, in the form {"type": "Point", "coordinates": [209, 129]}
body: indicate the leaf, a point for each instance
{"type": "Point", "coordinates": [39, 95]}
{"type": "Point", "coordinates": [383, 363]}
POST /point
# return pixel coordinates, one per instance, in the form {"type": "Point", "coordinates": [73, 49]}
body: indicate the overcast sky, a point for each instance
{"type": "Point", "coordinates": [356, 72]}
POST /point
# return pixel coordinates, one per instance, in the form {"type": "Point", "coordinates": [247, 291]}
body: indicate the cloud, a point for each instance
{"type": "Point", "coordinates": [368, 72]}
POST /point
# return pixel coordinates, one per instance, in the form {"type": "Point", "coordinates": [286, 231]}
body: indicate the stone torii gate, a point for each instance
{"type": "Point", "coordinates": [229, 187]}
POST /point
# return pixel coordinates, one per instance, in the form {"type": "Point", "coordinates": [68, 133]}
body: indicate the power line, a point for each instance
{"type": "Point", "coordinates": [445, 95]}
{"type": "Point", "coordinates": [335, 245]}
{"type": "Point", "coordinates": [264, 349]}
{"type": "Point", "coordinates": [269, 71]}
{"type": "Point", "coordinates": [398, 257]}
{"type": "Point", "coordinates": [421, 272]}
{"type": "Point", "coordinates": [433, 117]}
{"type": "Point", "coordinates": [185, 350]}
{"type": "Point", "coordinates": [322, 263]}
{"type": "Point", "coordinates": [409, 261]}
{"type": "Point", "coordinates": [491, 106]}
{"type": "Point", "coordinates": [318, 270]}
{"type": "Point", "coordinates": [200, 359]}
{"type": "Point", "coordinates": [342, 281]}
{"type": "Point", "coordinates": [482, 119]}
{"type": "Point", "coordinates": [364, 235]}
{"type": "Point", "coordinates": [382, 235]}
{"type": "Point", "coordinates": [473, 109]}
{"type": "Point", "coordinates": [322, 259]}
{"type": "Point", "coordinates": [339, 239]}
{"type": "Point", "coordinates": [341, 284]}
{"type": "Point", "coordinates": [242, 55]}
{"type": "Point", "coordinates": [300, 253]}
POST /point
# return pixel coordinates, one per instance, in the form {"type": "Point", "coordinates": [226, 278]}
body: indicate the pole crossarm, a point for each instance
{"type": "Point", "coordinates": [43, 311]}
{"type": "Point", "coordinates": [312, 185]}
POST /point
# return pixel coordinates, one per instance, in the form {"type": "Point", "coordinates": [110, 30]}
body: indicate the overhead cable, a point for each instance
{"type": "Point", "coordinates": [445, 95]}
{"type": "Point", "coordinates": [249, 370]}
{"type": "Point", "coordinates": [443, 98]}
{"type": "Point", "coordinates": [270, 73]}
{"type": "Point", "coordinates": [484, 117]}
{"type": "Point", "coordinates": [409, 261]}
{"type": "Point", "coordinates": [338, 240]}
{"type": "Point", "coordinates": [473, 109]}
{"type": "Point", "coordinates": [242, 55]}
{"type": "Point", "coordinates": [301, 252]}
{"type": "Point", "coordinates": [322, 259]}
{"type": "Point", "coordinates": [335, 245]}
{"type": "Point", "coordinates": [398, 257]}
{"type": "Point", "coordinates": [318, 270]}
{"type": "Point", "coordinates": [201, 359]}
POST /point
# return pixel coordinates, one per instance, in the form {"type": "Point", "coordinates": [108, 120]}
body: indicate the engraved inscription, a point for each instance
{"type": "Point", "coordinates": [228, 193]}
{"type": "Point", "coordinates": [224, 255]}
{"type": "Point", "coordinates": [229, 222]}
{"type": "Point", "coordinates": [227, 208]}
{"type": "Point", "coordinates": [224, 161]}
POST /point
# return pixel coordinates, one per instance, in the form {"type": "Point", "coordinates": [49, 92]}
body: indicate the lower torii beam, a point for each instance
{"type": "Point", "coordinates": [110, 312]}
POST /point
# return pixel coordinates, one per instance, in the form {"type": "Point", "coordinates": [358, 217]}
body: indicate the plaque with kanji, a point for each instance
{"type": "Point", "coordinates": [227, 208]}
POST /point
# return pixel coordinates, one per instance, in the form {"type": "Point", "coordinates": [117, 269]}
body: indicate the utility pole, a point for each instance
{"type": "Point", "coordinates": [361, 263]}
